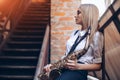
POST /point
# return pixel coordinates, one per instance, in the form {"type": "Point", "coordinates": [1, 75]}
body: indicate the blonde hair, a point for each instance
{"type": "Point", "coordinates": [90, 15]}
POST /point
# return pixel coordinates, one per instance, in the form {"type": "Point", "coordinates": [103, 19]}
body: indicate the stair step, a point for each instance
{"type": "Point", "coordinates": [17, 67]}
{"type": "Point", "coordinates": [29, 24]}
{"type": "Point", "coordinates": [40, 14]}
{"type": "Point", "coordinates": [36, 15]}
{"type": "Point", "coordinates": [28, 31]}
{"type": "Point", "coordinates": [43, 8]}
{"type": "Point", "coordinates": [17, 70]}
{"type": "Point", "coordinates": [27, 45]}
{"type": "Point", "coordinates": [17, 57]}
{"type": "Point", "coordinates": [33, 23]}
{"type": "Point", "coordinates": [26, 38]}
{"type": "Point", "coordinates": [21, 49]}
{"type": "Point", "coordinates": [40, 4]}
{"type": "Point", "coordinates": [18, 60]}
{"type": "Point", "coordinates": [31, 28]}
{"type": "Point", "coordinates": [24, 43]}
{"type": "Point", "coordinates": [28, 34]}
{"type": "Point", "coordinates": [39, 8]}
{"type": "Point", "coordinates": [37, 12]}
{"type": "Point", "coordinates": [23, 36]}
{"type": "Point", "coordinates": [21, 52]}
{"type": "Point", "coordinates": [35, 19]}
{"type": "Point", "coordinates": [16, 77]}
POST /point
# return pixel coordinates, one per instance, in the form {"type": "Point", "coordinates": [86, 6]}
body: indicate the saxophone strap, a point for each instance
{"type": "Point", "coordinates": [77, 41]}
{"type": "Point", "coordinates": [87, 44]}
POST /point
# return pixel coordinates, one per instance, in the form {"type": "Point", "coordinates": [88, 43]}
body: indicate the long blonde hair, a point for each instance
{"type": "Point", "coordinates": [90, 16]}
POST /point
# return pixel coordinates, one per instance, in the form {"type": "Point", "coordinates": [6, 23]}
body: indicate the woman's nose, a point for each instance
{"type": "Point", "coordinates": [75, 16]}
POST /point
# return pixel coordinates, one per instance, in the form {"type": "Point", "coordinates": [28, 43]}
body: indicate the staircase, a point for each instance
{"type": "Point", "coordinates": [21, 51]}
{"type": "Point", "coordinates": [2, 21]}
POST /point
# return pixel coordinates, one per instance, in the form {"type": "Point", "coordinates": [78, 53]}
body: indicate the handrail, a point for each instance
{"type": "Point", "coordinates": [18, 4]}
{"type": "Point", "coordinates": [12, 13]}
{"type": "Point", "coordinates": [5, 24]}
{"type": "Point", "coordinates": [8, 16]}
{"type": "Point", "coordinates": [21, 6]}
{"type": "Point", "coordinates": [43, 57]}
{"type": "Point", "coordinates": [15, 6]}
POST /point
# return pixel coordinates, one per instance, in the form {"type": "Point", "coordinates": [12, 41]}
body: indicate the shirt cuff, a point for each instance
{"type": "Point", "coordinates": [97, 60]}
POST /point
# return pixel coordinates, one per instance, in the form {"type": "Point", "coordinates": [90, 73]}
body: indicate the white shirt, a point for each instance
{"type": "Point", "coordinates": [94, 53]}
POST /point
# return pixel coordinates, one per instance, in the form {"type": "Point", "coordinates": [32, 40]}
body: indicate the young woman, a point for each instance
{"type": "Point", "coordinates": [87, 17]}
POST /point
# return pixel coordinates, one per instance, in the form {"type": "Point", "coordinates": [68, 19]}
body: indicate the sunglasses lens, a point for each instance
{"type": "Point", "coordinates": [78, 12]}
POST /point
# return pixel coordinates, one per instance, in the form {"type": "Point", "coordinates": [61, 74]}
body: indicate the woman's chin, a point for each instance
{"type": "Point", "coordinates": [77, 23]}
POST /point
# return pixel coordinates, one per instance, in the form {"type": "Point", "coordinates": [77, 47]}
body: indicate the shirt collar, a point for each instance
{"type": "Point", "coordinates": [82, 32]}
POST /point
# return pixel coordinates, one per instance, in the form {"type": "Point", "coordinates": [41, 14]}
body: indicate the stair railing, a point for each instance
{"type": "Point", "coordinates": [9, 13]}
{"type": "Point", "coordinates": [14, 14]}
{"type": "Point", "coordinates": [21, 6]}
{"type": "Point", "coordinates": [6, 20]}
{"type": "Point", "coordinates": [44, 53]}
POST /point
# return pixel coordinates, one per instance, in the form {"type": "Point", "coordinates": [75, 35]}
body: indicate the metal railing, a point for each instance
{"type": "Point", "coordinates": [44, 53]}
{"type": "Point", "coordinates": [13, 16]}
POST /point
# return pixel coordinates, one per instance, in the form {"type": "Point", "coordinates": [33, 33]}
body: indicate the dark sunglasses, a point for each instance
{"type": "Point", "coordinates": [78, 12]}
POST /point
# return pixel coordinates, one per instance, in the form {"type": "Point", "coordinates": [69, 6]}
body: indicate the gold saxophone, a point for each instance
{"type": "Point", "coordinates": [57, 66]}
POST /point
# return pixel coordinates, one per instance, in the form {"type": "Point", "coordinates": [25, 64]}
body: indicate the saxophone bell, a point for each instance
{"type": "Point", "coordinates": [43, 77]}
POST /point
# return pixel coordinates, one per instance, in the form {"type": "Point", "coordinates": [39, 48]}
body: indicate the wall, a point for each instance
{"type": "Point", "coordinates": [112, 43]}
{"type": "Point", "coordinates": [62, 24]}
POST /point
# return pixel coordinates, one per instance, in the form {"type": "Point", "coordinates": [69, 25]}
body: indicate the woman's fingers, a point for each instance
{"type": "Point", "coordinates": [47, 68]}
{"type": "Point", "coordinates": [71, 64]}
{"type": "Point", "coordinates": [70, 61]}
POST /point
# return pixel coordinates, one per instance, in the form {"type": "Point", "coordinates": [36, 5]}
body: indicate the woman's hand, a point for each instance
{"type": "Point", "coordinates": [47, 67]}
{"type": "Point", "coordinates": [72, 64]}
